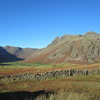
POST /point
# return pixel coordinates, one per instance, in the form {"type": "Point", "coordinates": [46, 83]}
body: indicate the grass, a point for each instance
{"type": "Point", "coordinates": [21, 67]}
{"type": "Point", "coordinates": [66, 88]}
{"type": "Point", "coordinates": [78, 87]}
{"type": "Point", "coordinates": [69, 96]}
{"type": "Point", "coordinates": [17, 64]}
{"type": "Point", "coordinates": [77, 83]}
{"type": "Point", "coordinates": [11, 66]}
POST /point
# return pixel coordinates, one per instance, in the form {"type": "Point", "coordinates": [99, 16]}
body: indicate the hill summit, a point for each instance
{"type": "Point", "coordinates": [70, 48]}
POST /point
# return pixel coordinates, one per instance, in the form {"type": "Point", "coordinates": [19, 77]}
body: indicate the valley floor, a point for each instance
{"type": "Point", "coordinates": [65, 88]}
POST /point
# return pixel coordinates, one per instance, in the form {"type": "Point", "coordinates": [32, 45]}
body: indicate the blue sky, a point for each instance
{"type": "Point", "coordinates": [35, 23]}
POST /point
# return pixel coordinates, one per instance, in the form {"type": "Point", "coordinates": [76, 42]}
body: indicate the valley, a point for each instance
{"type": "Point", "coordinates": [67, 68]}
{"type": "Point", "coordinates": [83, 86]}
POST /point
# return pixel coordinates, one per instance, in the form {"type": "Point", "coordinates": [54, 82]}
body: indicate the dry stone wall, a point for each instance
{"type": "Point", "coordinates": [47, 75]}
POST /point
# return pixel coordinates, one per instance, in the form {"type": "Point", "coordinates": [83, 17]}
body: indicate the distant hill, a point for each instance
{"type": "Point", "coordinates": [7, 57]}
{"type": "Point", "coordinates": [19, 52]}
{"type": "Point", "coordinates": [10, 53]}
{"type": "Point", "coordinates": [70, 48]}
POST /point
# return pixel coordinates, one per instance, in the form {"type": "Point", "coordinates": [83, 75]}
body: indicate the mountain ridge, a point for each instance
{"type": "Point", "coordinates": [65, 49]}
{"type": "Point", "coordinates": [23, 53]}
{"type": "Point", "coordinates": [11, 53]}
{"type": "Point", "coordinates": [7, 57]}
{"type": "Point", "coordinates": [70, 48]}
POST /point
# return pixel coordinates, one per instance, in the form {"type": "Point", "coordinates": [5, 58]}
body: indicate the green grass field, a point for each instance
{"type": "Point", "coordinates": [17, 64]}
{"type": "Point", "coordinates": [14, 66]}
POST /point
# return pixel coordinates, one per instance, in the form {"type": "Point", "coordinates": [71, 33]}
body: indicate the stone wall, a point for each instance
{"type": "Point", "coordinates": [47, 75]}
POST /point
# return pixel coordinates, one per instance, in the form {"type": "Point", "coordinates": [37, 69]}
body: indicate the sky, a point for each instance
{"type": "Point", "coordinates": [35, 23]}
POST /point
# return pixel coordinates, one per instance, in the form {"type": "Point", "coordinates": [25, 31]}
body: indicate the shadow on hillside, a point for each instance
{"type": "Point", "coordinates": [5, 56]}
{"type": "Point", "coordinates": [5, 64]}
{"type": "Point", "coordinates": [24, 95]}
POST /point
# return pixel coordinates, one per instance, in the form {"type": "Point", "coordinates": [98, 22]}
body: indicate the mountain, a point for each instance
{"type": "Point", "coordinates": [70, 48]}
{"type": "Point", "coordinates": [7, 57]}
{"type": "Point", "coordinates": [19, 52]}
{"type": "Point", "coordinates": [10, 53]}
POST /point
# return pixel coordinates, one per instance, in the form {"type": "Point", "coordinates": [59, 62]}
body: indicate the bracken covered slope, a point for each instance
{"type": "Point", "coordinates": [70, 48]}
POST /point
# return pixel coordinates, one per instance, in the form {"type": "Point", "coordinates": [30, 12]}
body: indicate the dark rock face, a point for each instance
{"type": "Point", "coordinates": [72, 49]}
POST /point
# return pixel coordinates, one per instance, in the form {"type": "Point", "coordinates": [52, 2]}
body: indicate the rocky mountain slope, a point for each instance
{"type": "Point", "coordinates": [70, 48]}
{"type": "Point", "coordinates": [10, 53]}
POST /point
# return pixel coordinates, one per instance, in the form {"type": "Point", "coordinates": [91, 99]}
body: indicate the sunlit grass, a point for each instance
{"type": "Point", "coordinates": [70, 96]}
